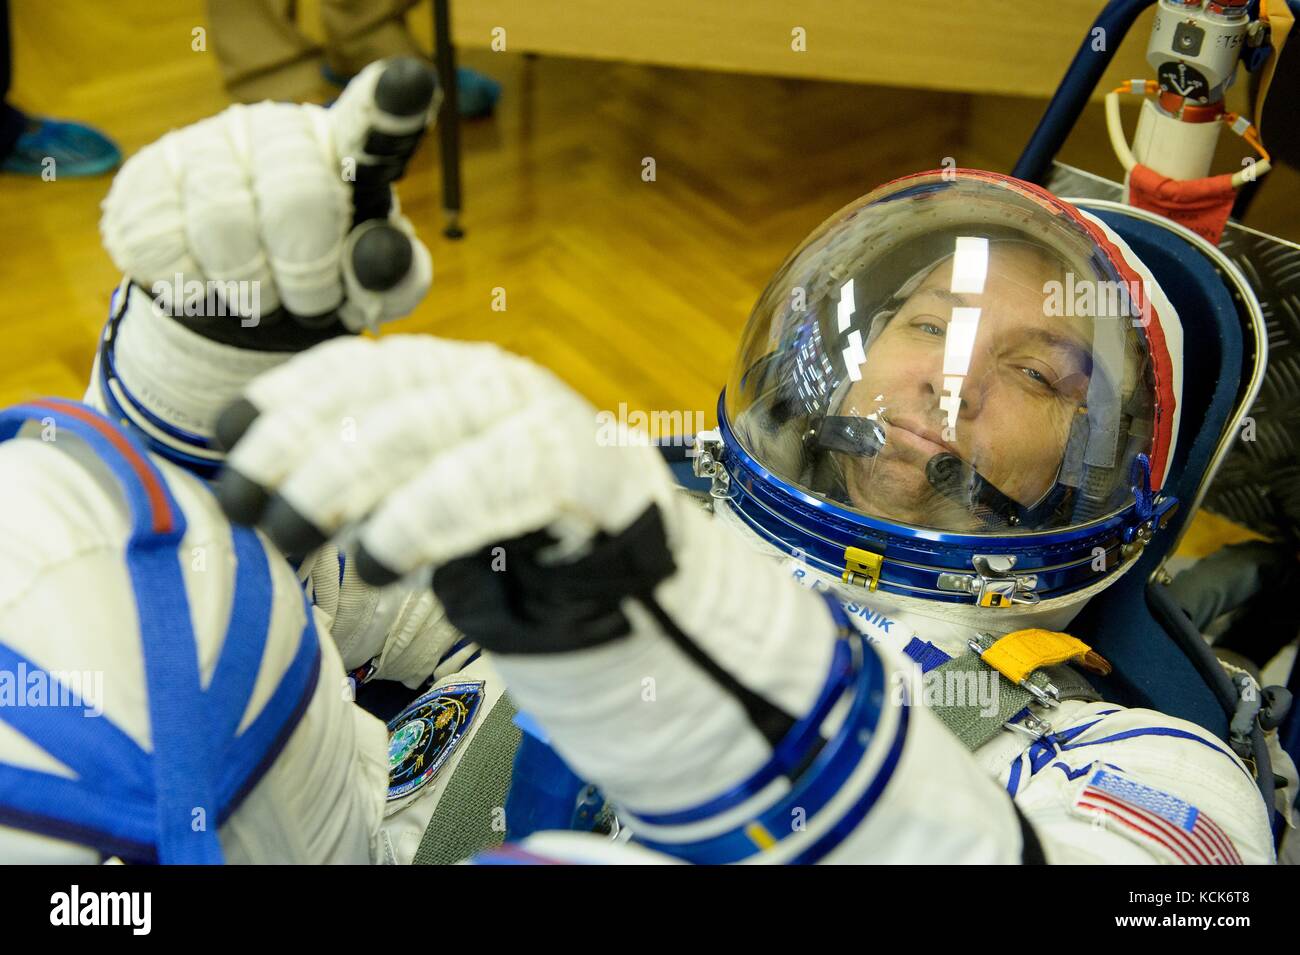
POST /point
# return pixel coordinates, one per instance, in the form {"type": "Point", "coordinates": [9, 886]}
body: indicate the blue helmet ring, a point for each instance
{"type": "Point", "coordinates": [959, 388]}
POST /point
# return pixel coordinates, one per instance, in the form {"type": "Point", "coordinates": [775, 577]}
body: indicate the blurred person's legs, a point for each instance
{"type": "Point", "coordinates": [38, 146]}
{"type": "Point", "coordinates": [358, 32]}
{"type": "Point", "coordinates": [263, 54]}
{"type": "Point", "coordinates": [261, 51]}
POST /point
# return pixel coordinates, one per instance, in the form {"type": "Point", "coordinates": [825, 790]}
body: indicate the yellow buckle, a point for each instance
{"type": "Point", "coordinates": [1019, 654]}
{"type": "Point", "coordinates": [862, 567]}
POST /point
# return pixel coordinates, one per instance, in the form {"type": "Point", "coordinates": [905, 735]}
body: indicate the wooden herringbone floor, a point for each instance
{"type": "Point", "coordinates": [633, 291]}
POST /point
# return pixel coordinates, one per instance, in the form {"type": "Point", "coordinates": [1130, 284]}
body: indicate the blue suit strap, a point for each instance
{"type": "Point", "coordinates": [232, 682]}
{"type": "Point", "coordinates": [249, 755]}
{"type": "Point", "coordinates": [62, 808]}
{"type": "Point", "coordinates": [93, 747]}
{"type": "Point", "coordinates": [925, 653]}
{"type": "Point", "coordinates": [245, 757]}
{"type": "Point", "coordinates": [110, 805]}
{"type": "Point", "coordinates": [182, 745]}
{"type": "Point", "coordinates": [155, 515]}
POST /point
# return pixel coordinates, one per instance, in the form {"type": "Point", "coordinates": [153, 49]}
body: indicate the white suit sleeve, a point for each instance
{"type": "Point", "coordinates": [1121, 785]}
{"type": "Point", "coordinates": [398, 632]}
{"type": "Point", "coordinates": [658, 731]}
{"type": "Point", "coordinates": [66, 603]}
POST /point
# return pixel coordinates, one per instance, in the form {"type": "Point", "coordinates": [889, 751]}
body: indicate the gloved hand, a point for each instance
{"type": "Point", "coordinates": [252, 235]}
{"type": "Point", "coordinates": [438, 448]}
{"type": "Point", "coordinates": [428, 453]}
{"type": "Point", "coordinates": [677, 668]}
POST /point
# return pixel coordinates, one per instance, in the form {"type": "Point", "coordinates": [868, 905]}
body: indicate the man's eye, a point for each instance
{"type": "Point", "coordinates": [930, 328]}
{"type": "Point", "coordinates": [1036, 375]}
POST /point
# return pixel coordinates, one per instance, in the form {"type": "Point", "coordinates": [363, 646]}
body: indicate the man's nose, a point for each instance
{"type": "Point", "coordinates": [960, 382]}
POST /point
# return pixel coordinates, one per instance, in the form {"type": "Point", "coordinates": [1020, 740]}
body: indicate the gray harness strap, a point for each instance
{"type": "Point", "coordinates": [1070, 684]}
{"type": "Point", "coordinates": [975, 722]}
{"type": "Point", "coordinates": [470, 816]}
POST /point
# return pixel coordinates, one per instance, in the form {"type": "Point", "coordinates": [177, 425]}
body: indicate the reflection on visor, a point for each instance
{"type": "Point", "coordinates": [959, 482]}
{"type": "Point", "coordinates": [955, 479]}
{"type": "Point", "coordinates": [848, 434]}
{"type": "Point", "coordinates": [911, 362]}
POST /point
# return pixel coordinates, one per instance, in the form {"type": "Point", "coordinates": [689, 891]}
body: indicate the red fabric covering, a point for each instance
{"type": "Point", "coordinates": [1202, 205]}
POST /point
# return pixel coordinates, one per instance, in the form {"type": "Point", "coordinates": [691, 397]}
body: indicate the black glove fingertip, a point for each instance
{"type": "Point", "coordinates": [233, 422]}
{"type": "Point", "coordinates": [405, 87]}
{"type": "Point", "coordinates": [372, 570]}
{"type": "Point", "coordinates": [293, 534]}
{"type": "Point", "coordinates": [241, 498]}
{"type": "Point", "coordinates": [381, 258]}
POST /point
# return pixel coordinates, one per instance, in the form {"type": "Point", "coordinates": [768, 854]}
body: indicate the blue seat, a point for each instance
{"type": "Point", "coordinates": [1161, 660]}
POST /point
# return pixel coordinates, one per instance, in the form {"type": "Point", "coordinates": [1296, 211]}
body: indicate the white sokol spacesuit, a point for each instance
{"type": "Point", "coordinates": [253, 196]}
{"type": "Point", "coordinates": [914, 404]}
{"type": "Point", "coordinates": [908, 410]}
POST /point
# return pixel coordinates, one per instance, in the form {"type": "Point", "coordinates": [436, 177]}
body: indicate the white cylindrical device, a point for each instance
{"type": "Point", "coordinates": [1174, 147]}
{"type": "Point", "coordinates": [1195, 50]}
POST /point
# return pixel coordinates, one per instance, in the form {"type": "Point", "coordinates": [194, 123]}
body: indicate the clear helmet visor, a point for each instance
{"type": "Point", "coordinates": [954, 355]}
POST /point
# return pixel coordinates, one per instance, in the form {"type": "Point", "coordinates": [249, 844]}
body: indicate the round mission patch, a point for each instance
{"type": "Point", "coordinates": [424, 735]}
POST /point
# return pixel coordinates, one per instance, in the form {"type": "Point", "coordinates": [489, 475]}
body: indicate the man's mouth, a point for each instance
{"type": "Point", "coordinates": [924, 441]}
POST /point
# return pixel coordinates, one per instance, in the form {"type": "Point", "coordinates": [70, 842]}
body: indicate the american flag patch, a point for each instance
{"type": "Point", "coordinates": [1179, 829]}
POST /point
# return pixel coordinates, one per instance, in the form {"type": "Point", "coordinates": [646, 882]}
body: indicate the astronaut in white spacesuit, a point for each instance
{"type": "Point", "coordinates": [952, 459]}
{"type": "Point", "coordinates": [906, 415]}
{"type": "Point", "coordinates": [259, 195]}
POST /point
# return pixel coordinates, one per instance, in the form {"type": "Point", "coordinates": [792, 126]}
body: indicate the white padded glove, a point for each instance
{"type": "Point", "coordinates": [668, 662]}
{"type": "Point", "coordinates": [261, 194]}
{"type": "Point", "coordinates": [451, 445]}
{"type": "Point", "coordinates": [239, 237]}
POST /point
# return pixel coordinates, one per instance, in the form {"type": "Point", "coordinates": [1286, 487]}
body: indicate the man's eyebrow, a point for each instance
{"type": "Point", "coordinates": [1066, 342]}
{"type": "Point", "coordinates": [952, 298]}
{"type": "Point", "coordinates": [1058, 339]}
{"type": "Point", "coordinates": [1053, 339]}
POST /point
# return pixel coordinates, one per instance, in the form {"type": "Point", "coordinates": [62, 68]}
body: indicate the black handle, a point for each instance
{"type": "Point", "coordinates": [405, 89]}
{"type": "Point", "coordinates": [382, 257]}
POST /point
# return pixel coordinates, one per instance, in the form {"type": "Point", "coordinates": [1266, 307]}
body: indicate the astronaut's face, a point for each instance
{"type": "Point", "coordinates": [990, 377]}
